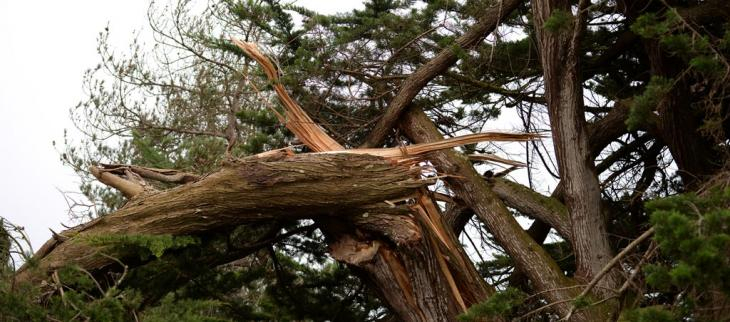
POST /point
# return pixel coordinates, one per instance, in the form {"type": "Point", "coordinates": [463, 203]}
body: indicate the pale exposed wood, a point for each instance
{"type": "Point", "coordinates": [294, 117]}
{"type": "Point", "coordinates": [423, 148]}
{"type": "Point", "coordinates": [428, 278]}
{"type": "Point", "coordinates": [128, 188]}
{"type": "Point", "coordinates": [495, 159]}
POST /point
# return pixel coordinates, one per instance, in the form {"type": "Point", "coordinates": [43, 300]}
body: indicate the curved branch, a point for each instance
{"type": "Point", "coordinates": [436, 66]}
{"type": "Point", "coordinates": [525, 200]}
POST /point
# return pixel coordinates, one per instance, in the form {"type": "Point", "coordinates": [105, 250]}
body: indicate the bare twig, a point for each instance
{"type": "Point", "coordinates": [609, 266]}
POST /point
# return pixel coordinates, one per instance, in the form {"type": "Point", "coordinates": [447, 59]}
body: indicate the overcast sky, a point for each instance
{"type": "Point", "coordinates": [45, 46]}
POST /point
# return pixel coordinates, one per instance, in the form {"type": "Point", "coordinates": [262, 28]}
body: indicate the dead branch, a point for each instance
{"type": "Point", "coordinates": [161, 175]}
{"type": "Point", "coordinates": [128, 188]}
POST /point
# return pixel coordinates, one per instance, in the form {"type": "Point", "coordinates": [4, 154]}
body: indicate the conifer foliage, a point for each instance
{"type": "Point", "coordinates": [205, 201]}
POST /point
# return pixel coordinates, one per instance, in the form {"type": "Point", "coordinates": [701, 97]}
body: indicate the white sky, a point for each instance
{"type": "Point", "coordinates": [45, 46]}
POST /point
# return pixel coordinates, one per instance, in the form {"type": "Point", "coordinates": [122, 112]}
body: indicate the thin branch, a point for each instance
{"type": "Point", "coordinates": [609, 266]}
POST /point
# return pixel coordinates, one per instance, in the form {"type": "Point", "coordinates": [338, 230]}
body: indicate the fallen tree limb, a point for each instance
{"type": "Point", "coordinates": [250, 190]}
{"type": "Point", "coordinates": [419, 254]}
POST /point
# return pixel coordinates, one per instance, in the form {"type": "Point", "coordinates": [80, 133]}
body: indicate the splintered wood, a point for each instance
{"type": "Point", "coordinates": [314, 137]}
{"type": "Point", "coordinates": [442, 241]}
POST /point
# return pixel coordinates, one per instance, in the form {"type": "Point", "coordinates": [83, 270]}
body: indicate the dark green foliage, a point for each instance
{"type": "Point", "coordinates": [648, 314]}
{"type": "Point", "coordinates": [559, 20]}
{"type": "Point", "coordinates": [185, 311]}
{"type": "Point", "coordinates": [143, 245]}
{"type": "Point", "coordinates": [16, 303]}
{"type": "Point", "coordinates": [644, 104]}
{"type": "Point", "coordinates": [649, 25]}
{"type": "Point", "coordinates": [174, 286]}
{"type": "Point", "coordinates": [695, 233]}
{"type": "Point", "coordinates": [148, 151]}
{"type": "Point", "coordinates": [305, 293]}
{"type": "Point", "coordinates": [681, 41]}
{"type": "Point", "coordinates": [268, 132]}
{"type": "Point", "coordinates": [706, 64]}
{"type": "Point", "coordinates": [80, 300]}
{"type": "Point", "coordinates": [5, 245]}
{"type": "Point", "coordinates": [499, 304]}
{"type": "Point", "coordinates": [582, 302]}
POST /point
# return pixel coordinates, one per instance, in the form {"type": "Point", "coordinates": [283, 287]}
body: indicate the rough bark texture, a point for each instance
{"type": "Point", "coordinates": [469, 186]}
{"type": "Point", "coordinates": [415, 262]}
{"type": "Point", "coordinates": [560, 61]}
{"type": "Point", "coordinates": [252, 190]}
{"type": "Point", "coordinates": [531, 203]}
{"type": "Point", "coordinates": [425, 277]}
{"type": "Point", "coordinates": [435, 279]}
{"type": "Point", "coordinates": [435, 67]}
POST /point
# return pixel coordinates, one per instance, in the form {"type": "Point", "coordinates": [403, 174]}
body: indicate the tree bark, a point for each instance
{"type": "Point", "coordinates": [679, 121]}
{"type": "Point", "coordinates": [410, 277]}
{"type": "Point", "coordinates": [559, 55]}
{"type": "Point", "coordinates": [420, 272]}
{"type": "Point", "coordinates": [471, 187]}
{"type": "Point", "coordinates": [247, 191]}
{"type": "Point", "coordinates": [546, 209]}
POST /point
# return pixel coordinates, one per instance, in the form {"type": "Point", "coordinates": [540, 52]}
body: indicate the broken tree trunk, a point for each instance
{"type": "Point", "coordinates": [415, 260]}
{"type": "Point", "coordinates": [250, 190]}
{"type": "Point", "coordinates": [429, 279]}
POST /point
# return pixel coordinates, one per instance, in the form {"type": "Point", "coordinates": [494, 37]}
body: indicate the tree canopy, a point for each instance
{"type": "Point", "coordinates": [261, 161]}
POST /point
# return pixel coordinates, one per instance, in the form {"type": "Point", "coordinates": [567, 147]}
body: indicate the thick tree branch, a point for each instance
{"type": "Point", "coordinates": [469, 186]}
{"type": "Point", "coordinates": [560, 60]}
{"type": "Point", "coordinates": [251, 190]}
{"type": "Point", "coordinates": [436, 66]}
{"type": "Point", "coordinates": [525, 200]}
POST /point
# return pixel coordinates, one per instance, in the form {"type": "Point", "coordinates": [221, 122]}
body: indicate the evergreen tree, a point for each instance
{"type": "Point", "coordinates": [634, 225]}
